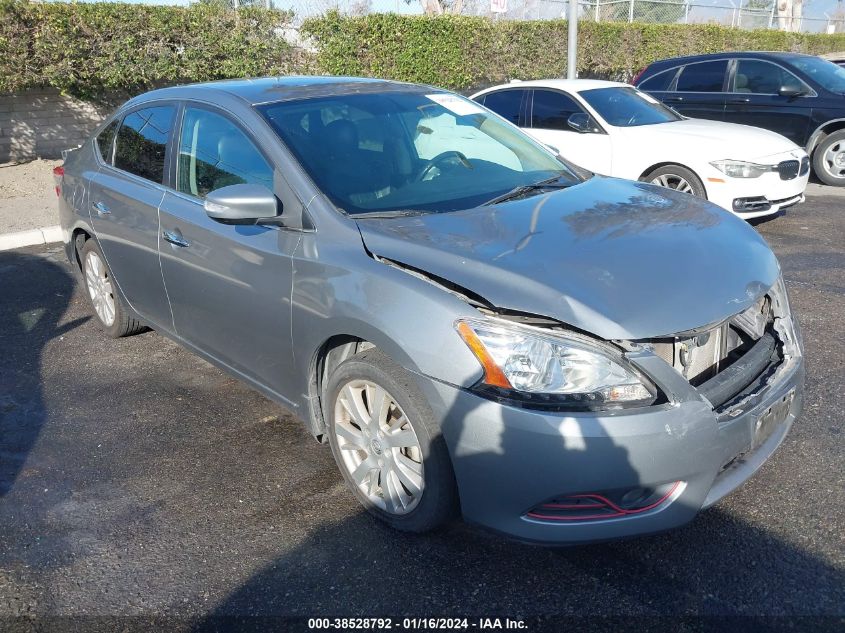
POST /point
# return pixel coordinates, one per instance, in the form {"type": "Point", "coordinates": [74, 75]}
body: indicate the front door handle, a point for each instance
{"type": "Point", "coordinates": [673, 99]}
{"type": "Point", "coordinates": [100, 208]}
{"type": "Point", "coordinates": [740, 100]}
{"type": "Point", "coordinates": [175, 238]}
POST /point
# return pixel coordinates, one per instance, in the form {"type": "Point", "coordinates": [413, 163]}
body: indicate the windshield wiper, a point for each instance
{"type": "Point", "coordinates": [397, 213]}
{"type": "Point", "coordinates": [524, 190]}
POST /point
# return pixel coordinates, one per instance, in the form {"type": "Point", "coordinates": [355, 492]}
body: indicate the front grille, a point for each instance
{"type": "Point", "coordinates": [788, 169]}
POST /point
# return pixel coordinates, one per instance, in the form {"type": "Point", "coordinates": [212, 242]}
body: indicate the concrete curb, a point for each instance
{"type": "Point", "coordinates": [44, 235]}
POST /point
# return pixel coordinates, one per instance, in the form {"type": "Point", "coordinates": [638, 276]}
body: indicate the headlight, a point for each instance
{"type": "Point", "coordinates": [551, 369]}
{"type": "Point", "coordinates": [740, 169]}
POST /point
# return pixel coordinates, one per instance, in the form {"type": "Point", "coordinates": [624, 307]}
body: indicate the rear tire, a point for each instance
{"type": "Point", "coordinates": [395, 462]}
{"type": "Point", "coordinates": [829, 159]}
{"type": "Point", "coordinates": [678, 178]}
{"type": "Point", "coordinates": [113, 314]}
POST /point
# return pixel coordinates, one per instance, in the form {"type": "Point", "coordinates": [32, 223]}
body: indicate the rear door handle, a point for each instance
{"type": "Point", "coordinates": [175, 238]}
{"type": "Point", "coordinates": [673, 99]}
{"type": "Point", "coordinates": [740, 100]}
{"type": "Point", "coordinates": [101, 209]}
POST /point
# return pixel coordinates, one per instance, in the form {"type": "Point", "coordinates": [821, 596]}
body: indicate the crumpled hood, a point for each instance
{"type": "Point", "coordinates": [620, 259]}
{"type": "Point", "coordinates": [714, 139]}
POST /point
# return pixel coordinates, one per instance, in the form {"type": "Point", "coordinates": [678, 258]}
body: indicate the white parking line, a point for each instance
{"type": "Point", "coordinates": [33, 237]}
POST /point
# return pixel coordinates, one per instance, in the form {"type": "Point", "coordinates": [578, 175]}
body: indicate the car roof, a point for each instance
{"type": "Point", "coordinates": [569, 85]}
{"type": "Point", "coordinates": [676, 61]}
{"type": "Point", "coordinates": [259, 90]}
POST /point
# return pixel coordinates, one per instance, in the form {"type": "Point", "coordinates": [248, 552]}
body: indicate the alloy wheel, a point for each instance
{"type": "Point", "coordinates": [378, 446]}
{"type": "Point", "coordinates": [834, 160]}
{"type": "Point", "coordinates": [673, 181]}
{"type": "Point", "coordinates": [99, 288]}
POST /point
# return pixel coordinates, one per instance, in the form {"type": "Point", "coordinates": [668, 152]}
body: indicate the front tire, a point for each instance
{"type": "Point", "coordinates": [111, 311]}
{"type": "Point", "coordinates": [829, 159]}
{"type": "Point", "coordinates": [387, 445]}
{"type": "Point", "coordinates": [678, 178]}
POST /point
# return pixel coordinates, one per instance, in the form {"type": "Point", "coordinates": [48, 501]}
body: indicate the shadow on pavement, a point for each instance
{"type": "Point", "coordinates": [718, 566]}
{"type": "Point", "coordinates": [35, 295]}
{"type": "Point", "coordinates": [360, 568]}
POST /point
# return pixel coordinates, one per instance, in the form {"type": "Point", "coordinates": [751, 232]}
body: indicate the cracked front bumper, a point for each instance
{"type": "Point", "coordinates": [507, 460]}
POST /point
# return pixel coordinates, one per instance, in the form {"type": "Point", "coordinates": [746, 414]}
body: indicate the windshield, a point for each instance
{"type": "Point", "coordinates": [409, 151]}
{"type": "Point", "coordinates": [628, 107]}
{"type": "Point", "coordinates": [825, 73]}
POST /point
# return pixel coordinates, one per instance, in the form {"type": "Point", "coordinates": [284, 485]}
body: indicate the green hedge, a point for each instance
{"type": "Point", "coordinates": [100, 48]}
{"type": "Point", "coordinates": [463, 52]}
{"type": "Point", "coordinates": [96, 50]}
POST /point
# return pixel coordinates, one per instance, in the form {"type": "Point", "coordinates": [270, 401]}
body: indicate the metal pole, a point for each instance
{"type": "Point", "coordinates": [572, 39]}
{"type": "Point", "coordinates": [631, 11]}
{"type": "Point", "coordinates": [597, 11]}
{"type": "Point", "coordinates": [772, 14]}
{"type": "Point", "coordinates": [686, 13]}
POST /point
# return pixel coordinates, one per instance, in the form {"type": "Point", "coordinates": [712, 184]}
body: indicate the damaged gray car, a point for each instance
{"type": "Point", "coordinates": [475, 326]}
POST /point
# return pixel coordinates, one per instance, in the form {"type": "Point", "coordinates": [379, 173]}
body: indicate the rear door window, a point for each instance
{"type": "Point", "coordinates": [105, 141]}
{"type": "Point", "coordinates": [703, 77]}
{"type": "Point", "coordinates": [506, 103]}
{"type": "Point", "coordinates": [551, 110]}
{"type": "Point", "coordinates": [215, 153]}
{"type": "Point", "coordinates": [142, 142]}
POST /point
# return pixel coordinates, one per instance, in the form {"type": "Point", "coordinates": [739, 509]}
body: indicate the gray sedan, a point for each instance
{"type": "Point", "coordinates": [472, 324]}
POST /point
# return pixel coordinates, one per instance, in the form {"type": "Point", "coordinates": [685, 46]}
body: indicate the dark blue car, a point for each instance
{"type": "Point", "coordinates": [799, 96]}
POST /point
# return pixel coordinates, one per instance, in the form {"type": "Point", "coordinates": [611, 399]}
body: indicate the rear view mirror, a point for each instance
{"type": "Point", "coordinates": [241, 204]}
{"type": "Point", "coordinates": [791, 91]}
{"type": "Point", "coordinates": [581, 122]}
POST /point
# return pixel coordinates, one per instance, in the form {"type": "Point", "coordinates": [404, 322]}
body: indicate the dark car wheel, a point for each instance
{"type": "Point", "coordinates": [387, 445]}
{"type": "Point", "coordinates": [829, 159]}
{"type": "Point", "coordinates": [111, 311]}
{"type": "Point", "coordinates": [678, 178]}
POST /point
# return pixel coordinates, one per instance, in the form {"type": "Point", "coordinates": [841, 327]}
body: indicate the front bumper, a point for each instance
{"type": "Point", "coordinates": [508, 460]}
{"type": "Point", "coordinates": [777, 194]}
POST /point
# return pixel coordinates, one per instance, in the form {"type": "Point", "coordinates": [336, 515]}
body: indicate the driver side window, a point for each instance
{"type": "Point", "coordinates": [759, 77]}
{"type": "Point", "coordinates": [551, 110]}
{"type": "Point", "coordinates": [215, 153]}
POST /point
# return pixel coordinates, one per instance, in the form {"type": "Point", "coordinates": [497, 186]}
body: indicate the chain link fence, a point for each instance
{"type": "Point", "coordinates": [744, 14]}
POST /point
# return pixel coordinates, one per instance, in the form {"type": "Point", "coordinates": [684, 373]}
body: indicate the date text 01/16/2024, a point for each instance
{"type": "Point", "coordinates": [415, 624]}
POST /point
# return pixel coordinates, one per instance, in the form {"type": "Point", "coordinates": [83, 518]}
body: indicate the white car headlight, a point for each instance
{"type": "Point", "coordinates": [740, 168]}
{"type": "Point", "coordinates": [553, 369]}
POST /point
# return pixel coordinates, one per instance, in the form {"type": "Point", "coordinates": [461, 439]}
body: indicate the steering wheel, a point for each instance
{"type": "Point", "coordinates": [440, 158]}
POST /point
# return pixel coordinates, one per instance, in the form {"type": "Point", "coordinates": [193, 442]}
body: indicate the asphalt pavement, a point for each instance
{"type": "Point", "coordinates": [137, 480]}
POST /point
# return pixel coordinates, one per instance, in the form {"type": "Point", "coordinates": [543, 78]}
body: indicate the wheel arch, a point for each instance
{"type": "Point", "coordinates": [819, 134]}
{"type": "Point", "coordinates": [668, 163]}
{"type": "Point", "coordinates": [78, 237]}
{"type": "Point", "coordinates": [325, 359]}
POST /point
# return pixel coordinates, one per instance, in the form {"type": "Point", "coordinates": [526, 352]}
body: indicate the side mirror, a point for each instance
{"type": "Point", "coordinates": [581, 122]}
{"type": "Point", "coordinates": [791, 91]}
{"type": "Point", "coordinates": [241, 204]}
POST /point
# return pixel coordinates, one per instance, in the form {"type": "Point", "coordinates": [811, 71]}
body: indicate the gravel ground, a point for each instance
{"type": "Point", "coordinates": [27, 198]}
{"type": "Point", "coordinates": [137, 480]}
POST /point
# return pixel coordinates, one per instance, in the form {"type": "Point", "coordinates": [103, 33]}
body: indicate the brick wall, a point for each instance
{"type": "Point", "coordinates": [41, 123]}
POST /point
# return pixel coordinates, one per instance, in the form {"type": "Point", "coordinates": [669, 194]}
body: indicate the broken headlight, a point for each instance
{"type": "Point", "coordinates": [552, 368]}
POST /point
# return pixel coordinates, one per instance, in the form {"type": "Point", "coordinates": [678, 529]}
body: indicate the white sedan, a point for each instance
{"type": "Point", "coordinates": [614, 129]}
